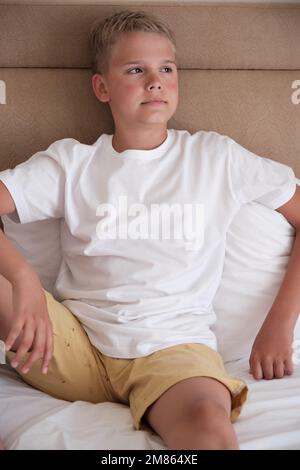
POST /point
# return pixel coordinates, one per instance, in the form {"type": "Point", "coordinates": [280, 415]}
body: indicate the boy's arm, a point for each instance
{"type": "Point", "coordinates": [7, 205]}
{"type": "Point", "coordinates": [31, 319]}
{"type": "Point", "coordinates": [271, 354]}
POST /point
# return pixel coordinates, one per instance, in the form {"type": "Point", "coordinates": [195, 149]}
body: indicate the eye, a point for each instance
{"type": "Point", "coordinates": [169, 68]}
{"type": "Point", "coordinates": [138, 68]}
{"type": "Point", "coordinates": [135, 68]}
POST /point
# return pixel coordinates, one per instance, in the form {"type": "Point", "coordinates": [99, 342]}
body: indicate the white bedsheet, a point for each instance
{"type": "Point", "coordinates": [30, 419]}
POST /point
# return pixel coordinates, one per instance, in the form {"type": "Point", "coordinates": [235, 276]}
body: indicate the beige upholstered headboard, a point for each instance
{"type": "Point", "coordinates": [237, 64]}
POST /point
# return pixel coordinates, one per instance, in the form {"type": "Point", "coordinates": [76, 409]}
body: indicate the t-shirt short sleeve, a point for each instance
{"type": "Point", "coordinates": [259, 179]}
{"type": "Point", "coordinates": [37, 186]}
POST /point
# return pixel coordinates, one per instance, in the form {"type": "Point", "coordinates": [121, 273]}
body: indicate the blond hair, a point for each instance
{"type": "Point", "coordinates": [104, 34]}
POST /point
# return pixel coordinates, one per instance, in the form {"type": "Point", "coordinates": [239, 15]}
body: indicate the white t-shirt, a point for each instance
{"type": "Point", "coordinates": [144, 231]}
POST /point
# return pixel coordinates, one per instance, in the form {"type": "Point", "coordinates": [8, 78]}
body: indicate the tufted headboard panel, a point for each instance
{"type": "Point", "coordinates": [239, 74]}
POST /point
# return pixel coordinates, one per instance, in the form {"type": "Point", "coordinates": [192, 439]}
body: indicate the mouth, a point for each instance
{"type": "Point", "coordinates": [155, 102]}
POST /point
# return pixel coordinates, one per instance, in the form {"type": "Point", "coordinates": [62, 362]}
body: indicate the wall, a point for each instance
{"type": "Point", "coordinates": [120, 2]}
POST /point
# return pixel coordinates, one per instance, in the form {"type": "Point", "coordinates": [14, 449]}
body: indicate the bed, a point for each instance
{"type": "Point", "coordinates": [239, 76]}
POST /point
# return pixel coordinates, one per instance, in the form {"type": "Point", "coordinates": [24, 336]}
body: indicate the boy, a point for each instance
{"type": "Point", "coordinates": [132, 323]}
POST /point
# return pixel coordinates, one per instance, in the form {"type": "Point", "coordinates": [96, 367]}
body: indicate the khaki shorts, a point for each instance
{"type": "Point", "coordinates": [78, 371]}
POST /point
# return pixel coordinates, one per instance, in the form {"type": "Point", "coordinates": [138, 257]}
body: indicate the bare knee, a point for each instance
{"type": "Point", "coordinates": [193, 421]}
{"type": "Point", "coordinates": [209, 415]}
{"type": "Point", "coordinates": [207, 425]}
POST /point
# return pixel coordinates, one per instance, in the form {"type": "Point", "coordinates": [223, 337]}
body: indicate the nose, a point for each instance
{"type": "Point", "coordinates": [154, 83]}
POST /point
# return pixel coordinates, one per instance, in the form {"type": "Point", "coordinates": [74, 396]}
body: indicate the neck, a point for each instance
{"type": "Point", "coordinates": [147, 140]}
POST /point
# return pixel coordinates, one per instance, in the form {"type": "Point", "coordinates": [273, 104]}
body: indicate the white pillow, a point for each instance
{"type": "Point", "coordinates": [258, 248]}
{"type": "Point", "coordinates": [39, 243]}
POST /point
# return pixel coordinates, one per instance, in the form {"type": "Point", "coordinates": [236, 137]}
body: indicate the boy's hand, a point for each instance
{"type": "Point", "coordinates": [271, 355]}
{"type": "Point", "coordinates": [33, 323]}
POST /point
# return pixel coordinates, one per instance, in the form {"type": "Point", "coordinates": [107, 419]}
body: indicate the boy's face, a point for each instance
{"type": "Point", "coordinates": [127, 87]}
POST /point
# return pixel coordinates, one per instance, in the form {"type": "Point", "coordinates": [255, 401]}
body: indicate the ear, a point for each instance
{"type": "Point", "coordinates": [100, 88]}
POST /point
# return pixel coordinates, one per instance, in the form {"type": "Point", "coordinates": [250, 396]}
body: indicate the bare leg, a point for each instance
{"type": "Point", "coordinates": [2, 445]}
{"type": "Point", "coordinates": [194, 414]}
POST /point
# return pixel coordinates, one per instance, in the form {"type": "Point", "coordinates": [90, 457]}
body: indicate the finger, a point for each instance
{"type": "Point", "coordinates": [37, 349]}
{"type": "Point", "coordinates": [267, 368]}
{"type": "Point", "coordinates": [256, 369]}
{"type": "Point", "coordinates": [49, 351]}
{"type": "Point", "coordinates": [288, 366]}
{"type": "Point", "coordinates": [25, 345]}
{"type": "Point", "coordinates": [14, 334]}
{"type": "Point", "coordinates": [278, 368]}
